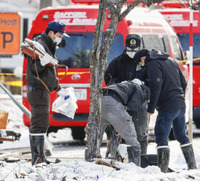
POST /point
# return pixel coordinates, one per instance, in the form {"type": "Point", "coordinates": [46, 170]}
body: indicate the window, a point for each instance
{"type": "Point", "coordinates": [176, 49]}
{"type": "Point", "coordinates": [184, 40]}
{"type": "Point", "coordinates": [25, 28]}
{"type": "Point", "coordinates": [76, 51]}
{"type": "Point", "coordinates": [154, 41]}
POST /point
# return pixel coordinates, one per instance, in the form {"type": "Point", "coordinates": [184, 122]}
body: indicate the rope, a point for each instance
{"type": "Point", "coordinates": [39, 77]}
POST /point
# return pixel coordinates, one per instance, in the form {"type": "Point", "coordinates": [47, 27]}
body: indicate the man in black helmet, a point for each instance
{"type": "Point", "coordinates": [124, 67]}
{"type": "Point", "coordinates": [167, 87]}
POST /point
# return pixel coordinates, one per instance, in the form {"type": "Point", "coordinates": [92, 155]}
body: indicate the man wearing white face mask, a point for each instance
{"type": "Point", "coordinates": [122, 68]}
{"type": "Point", "coordinates": [41, 80]}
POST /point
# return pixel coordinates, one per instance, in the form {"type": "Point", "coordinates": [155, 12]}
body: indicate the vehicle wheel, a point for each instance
{"type": "Point", "coordinates": [197, 123]}
{"type": "Point", "coordinates": [78, 133]}
{"type": "Point", "coordinates": [52, 129]}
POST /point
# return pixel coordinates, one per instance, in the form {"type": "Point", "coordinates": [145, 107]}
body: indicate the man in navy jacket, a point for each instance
{"type": "Point", "coordinates": [167, 87]}
{"type": "Point", "coordinates": [124, 67]}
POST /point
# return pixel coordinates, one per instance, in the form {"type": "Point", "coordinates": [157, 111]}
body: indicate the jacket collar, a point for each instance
{"type": "Point", "coordinates": [49, 42]}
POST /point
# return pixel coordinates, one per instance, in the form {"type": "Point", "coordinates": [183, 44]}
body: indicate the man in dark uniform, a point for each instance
{"type": "Point", "coordinates": [124, 67]}
{"type": "Point", "coordinates": [120, 101]}
{"type": "Point", "coordinates": [41, 80]}
{"type": "Point", "coordinates": [167, 86]}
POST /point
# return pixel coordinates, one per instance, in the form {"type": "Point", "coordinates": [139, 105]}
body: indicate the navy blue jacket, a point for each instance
{"type": "Point", "coordinates": [166, 81]}
{"type": "Point", "coordinates": [120, 69]}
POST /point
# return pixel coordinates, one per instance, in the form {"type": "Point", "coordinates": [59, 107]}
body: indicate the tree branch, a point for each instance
{"type": "Point", "coordinates": [192, 6]}
{"type": "Point", "coordinates": [111, 8]}
{"type": "Point", "coordinates": [115, 1]}
{"type": "Point", "coordinates": [129, 8]}
{"type": "Point", "coordinates": [99, 26]}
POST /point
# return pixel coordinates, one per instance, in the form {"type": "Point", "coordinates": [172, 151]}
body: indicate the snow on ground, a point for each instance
{"type": "Point", "coordinates": [73, 167]}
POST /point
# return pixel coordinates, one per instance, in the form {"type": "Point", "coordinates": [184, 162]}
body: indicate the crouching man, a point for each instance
{"type": "Point", "coordinates": [117, 101]}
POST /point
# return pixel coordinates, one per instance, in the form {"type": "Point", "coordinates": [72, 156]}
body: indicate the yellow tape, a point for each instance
{"type": "Point", "coordinates": [10, 74]}
{"type": "Point", "coordinates": [59, 73]}
{"type": "Point", "coordinates": [17, 83]}
{"type": "Point", "coordinates": [195, 59]}
{"type": "Point", "coordinates": [71, 73]}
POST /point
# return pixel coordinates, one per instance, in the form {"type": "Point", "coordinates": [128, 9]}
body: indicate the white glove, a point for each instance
{"type": "Point", "coordinates": [45, 59]}
{"type": "Point", "coordinates": [137, 81]}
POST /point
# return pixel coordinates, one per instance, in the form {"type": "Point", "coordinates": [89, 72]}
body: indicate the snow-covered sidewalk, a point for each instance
{"type": "Point", "coordinates": [78, 169]}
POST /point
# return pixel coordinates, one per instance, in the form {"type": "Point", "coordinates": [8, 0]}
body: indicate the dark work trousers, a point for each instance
{"type": "Point", "coordinates": [114, 113]}
{"type": "Point", "coordinates": [39, 100]}
{"type": "Point", "coordinates": [141, 126]}
{"type": "Point", "coordinates": [164, 121]}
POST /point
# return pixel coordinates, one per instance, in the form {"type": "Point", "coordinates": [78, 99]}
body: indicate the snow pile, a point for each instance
{"type": "Point", "coordinates": [89, 171]}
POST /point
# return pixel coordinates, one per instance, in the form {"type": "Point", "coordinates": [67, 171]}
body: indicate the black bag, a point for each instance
{"type": "Point", "coordinates": [148, 160]}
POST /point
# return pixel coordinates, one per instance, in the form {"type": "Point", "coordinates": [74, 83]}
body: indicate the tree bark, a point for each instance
{"type": "Point", "coordinates": [99, 57]}
{"type": "Point", "coordinates": [95, 96]}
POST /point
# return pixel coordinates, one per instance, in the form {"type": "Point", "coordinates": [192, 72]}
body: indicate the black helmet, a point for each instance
{"type": "Point", "coordinates": [133, 41]}
{"type": "Point", "coordinates": [141, 53]}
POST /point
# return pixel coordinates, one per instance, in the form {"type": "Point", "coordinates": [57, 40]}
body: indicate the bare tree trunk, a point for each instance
{"type": "Point", "coordinates": [97, 68]}
{"type": "Point", "coordinates": [95, 96]}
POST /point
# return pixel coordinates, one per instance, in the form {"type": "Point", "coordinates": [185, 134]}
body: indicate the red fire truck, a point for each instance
{"type": "Point", "coordinates": [178, 15]}
{"type": "Point", "coordinates": [80, 21]}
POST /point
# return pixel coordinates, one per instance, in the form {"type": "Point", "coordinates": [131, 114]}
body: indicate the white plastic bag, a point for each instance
{"type": "Point", "coordinates": [66, 103]}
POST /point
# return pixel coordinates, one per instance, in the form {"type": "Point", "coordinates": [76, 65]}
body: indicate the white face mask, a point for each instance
{"type": "Point", "coordinates": [58, 40]}
{"type": "Point", "coordinates": [130, 54]}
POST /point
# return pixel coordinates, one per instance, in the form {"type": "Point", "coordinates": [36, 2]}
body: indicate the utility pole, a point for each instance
{"type": "Point", "coordinates": [45, 3]}
{"type": "Point", "coordinates": [68, 2]}
{"type": "Point", "coordinates": [190, 132]}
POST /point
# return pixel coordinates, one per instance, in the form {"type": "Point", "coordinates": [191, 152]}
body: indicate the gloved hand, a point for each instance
{"type": "Point", "coordinates": [137, 81]}
{"type": "Point", "coordinates": [45, 59]}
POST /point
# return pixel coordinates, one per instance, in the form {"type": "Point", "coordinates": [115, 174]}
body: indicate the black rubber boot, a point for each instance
{"type": "Point", "coordinates": [143, 148]}
{"type": "Point", "coordinates": [134, 155]}
{"type": "Point", "coordinates": [113, 145]}
{"type": "Point", "coordinates": [37, 149]}
{"type": "Point", "coordinates": [188, 153]}
{"type": "Point", "coordinates": [163, 153]}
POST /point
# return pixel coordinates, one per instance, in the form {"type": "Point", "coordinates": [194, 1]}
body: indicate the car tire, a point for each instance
{"type": "Point", "coordinates": [78, 133]}
{"type": "Point", "coordinates": [197, 123]}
